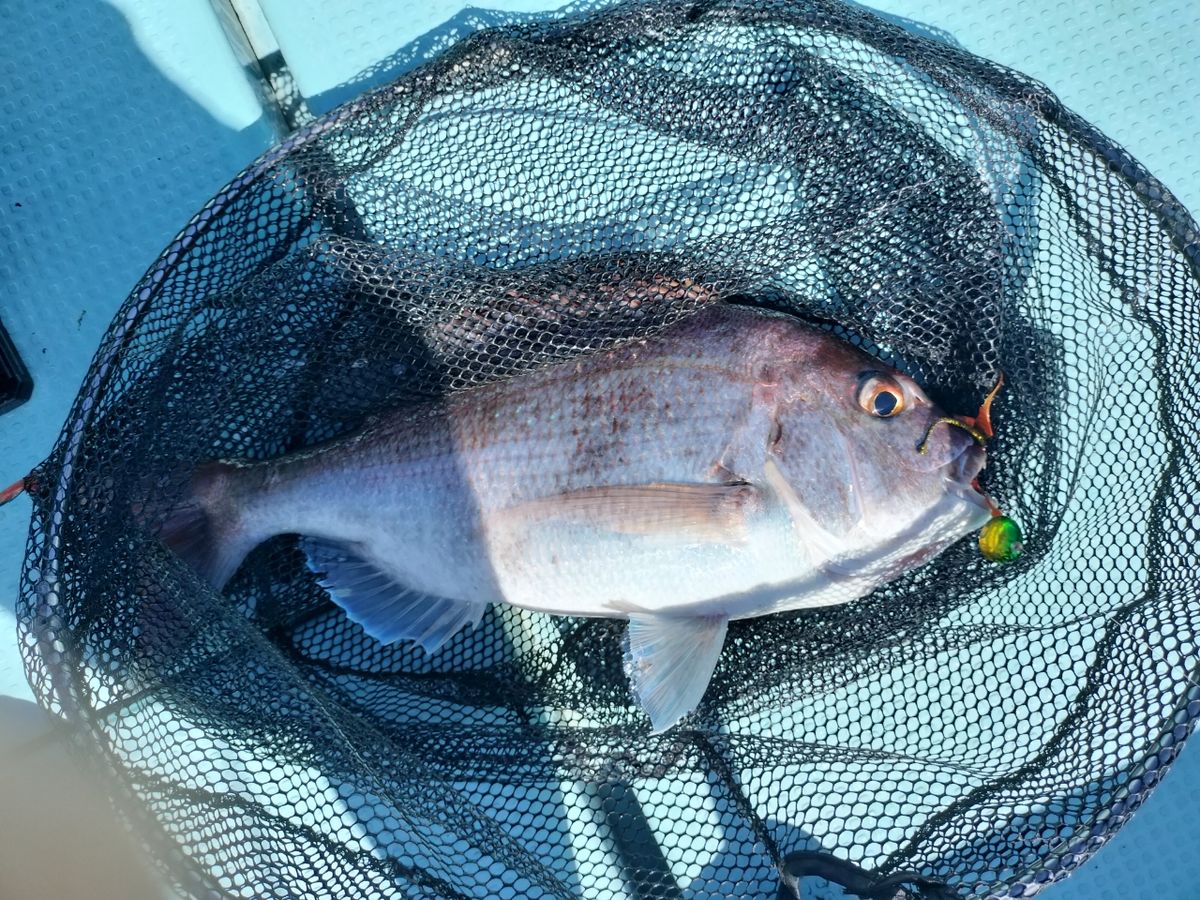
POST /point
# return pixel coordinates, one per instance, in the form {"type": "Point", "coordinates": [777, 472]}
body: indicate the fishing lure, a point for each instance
{"type": "Point", "coordinates": [1000, 540]}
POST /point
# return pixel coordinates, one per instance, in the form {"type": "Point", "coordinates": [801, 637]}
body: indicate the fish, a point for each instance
{"type": "Point", "coordinates": [737, 463]}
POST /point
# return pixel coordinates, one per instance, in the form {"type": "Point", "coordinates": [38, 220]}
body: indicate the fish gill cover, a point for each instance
{"type": "Point", "coordinates": [544, 190]}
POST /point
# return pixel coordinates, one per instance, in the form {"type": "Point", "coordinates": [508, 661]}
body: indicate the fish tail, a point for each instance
{"type": "Point", "coordinates": [206, 529]}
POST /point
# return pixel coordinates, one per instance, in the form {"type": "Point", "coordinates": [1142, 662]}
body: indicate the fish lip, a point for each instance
{"type": "Point", "coordinates": [968, 494]}
{"type": "Point", "coordinates": [969, 462]}
{"type": "Point", "coordinates": [965, 468]}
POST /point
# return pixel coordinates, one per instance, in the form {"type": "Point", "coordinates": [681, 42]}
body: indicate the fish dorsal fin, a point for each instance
{"type": "Point", "coordinates": [386, 610]}
{"type": "Point", "coordinates": [706, 512]}
{"type": "Point", "coordinates": [669, 661]}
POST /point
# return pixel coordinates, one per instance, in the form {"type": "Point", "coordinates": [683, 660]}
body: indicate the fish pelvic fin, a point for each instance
{"type": "Point", "coordinates": [669, 661]}
{"type": "Point", "coordinates": [205, 529]}
{"type": "Point", "coordinates": [387, 610]}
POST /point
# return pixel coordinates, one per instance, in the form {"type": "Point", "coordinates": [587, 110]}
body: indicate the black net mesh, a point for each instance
{"type": "Point", "coordinates": [547, 189]}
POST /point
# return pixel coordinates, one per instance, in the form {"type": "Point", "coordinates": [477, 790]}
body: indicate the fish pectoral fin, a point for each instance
{"type": "Point", "coordinates": [669, 662]}
{"type": "Point", "coordinates": [708, 512]}
{"type": "Point", "coordinates": [387, 610]}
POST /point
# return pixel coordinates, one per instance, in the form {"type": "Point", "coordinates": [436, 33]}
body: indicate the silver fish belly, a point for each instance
{"type": "Point", "coordinates": [736, 464]}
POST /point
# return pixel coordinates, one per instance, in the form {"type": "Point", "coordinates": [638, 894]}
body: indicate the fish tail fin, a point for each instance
{"type": "Point", "coordinates": [206, 529]}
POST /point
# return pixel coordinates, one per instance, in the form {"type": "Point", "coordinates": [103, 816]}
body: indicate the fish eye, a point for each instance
{"type": "Point", "coordinates": [881, 396]}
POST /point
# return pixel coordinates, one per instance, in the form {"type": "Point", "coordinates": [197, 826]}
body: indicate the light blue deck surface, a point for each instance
{"type": "Point", "coordinates": [120, 119]}
{"type": "Point", "coordinates": [103, 158]}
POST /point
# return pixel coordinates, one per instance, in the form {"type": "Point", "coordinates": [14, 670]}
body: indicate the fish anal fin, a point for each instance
{"type": "Point", "coordinates": [705, 512]}
{"type": "Point", "coordinates": [669, 661]}
{"type": "Point", "coordinates": [386, 610]}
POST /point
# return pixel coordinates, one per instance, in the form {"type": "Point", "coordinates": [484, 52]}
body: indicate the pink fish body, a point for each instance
{"type": "Point", "coordinates": [736, 464]}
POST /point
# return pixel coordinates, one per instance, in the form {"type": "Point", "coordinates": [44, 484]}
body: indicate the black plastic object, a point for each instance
{"type": "Point", "coordinates": [16, 385]}
{"type": "Point", "coordinates": [544, 190]}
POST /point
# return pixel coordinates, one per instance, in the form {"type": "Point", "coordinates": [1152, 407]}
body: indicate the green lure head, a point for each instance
{"type": "Point", "coordinates": [1000, 540]}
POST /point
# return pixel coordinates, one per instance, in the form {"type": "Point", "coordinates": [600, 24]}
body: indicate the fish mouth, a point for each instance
{"type": "Point", "coordinates": [964, 469]}
{"type": "Point", "coordinates": [968, 464]}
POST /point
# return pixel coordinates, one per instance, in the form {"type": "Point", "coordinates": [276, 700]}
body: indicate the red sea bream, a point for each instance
{"type": "Point", "coordinates": [738, 463]}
